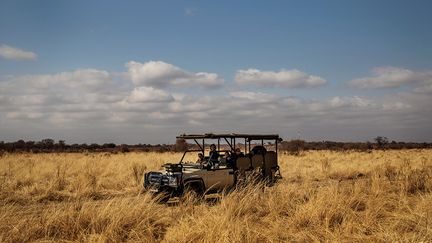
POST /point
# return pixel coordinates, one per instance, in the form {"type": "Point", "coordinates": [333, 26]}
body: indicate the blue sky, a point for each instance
{"type": "Point", "coordinates": [338, 41]}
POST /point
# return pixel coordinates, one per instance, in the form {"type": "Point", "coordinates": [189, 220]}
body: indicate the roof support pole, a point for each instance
{"type": "Point", "coordinates": [226, 140]}
{"type": "Point", "coordinates": [202, 148]}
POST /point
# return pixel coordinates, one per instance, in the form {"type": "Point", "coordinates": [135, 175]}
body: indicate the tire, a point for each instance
{"type": "Point", "coordinates": [164, 197]}
{"type": "Point", "coordinates": [192, 191]}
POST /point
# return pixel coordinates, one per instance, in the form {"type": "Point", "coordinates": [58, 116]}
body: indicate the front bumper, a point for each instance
{"type": "Point", "coordinates": [157, 182]}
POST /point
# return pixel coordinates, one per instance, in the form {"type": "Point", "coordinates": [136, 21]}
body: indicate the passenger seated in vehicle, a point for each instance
{"type": "Point", "coordinates": [227, 155]}
{"type": "Point", "coordinates": [213, 156]}
{"type": "Point", "coordinates": [230, 159]}
{"type": "Point", "coordinates": [224, 160]}
{"type": "Point", "coordinates": [238, 153]}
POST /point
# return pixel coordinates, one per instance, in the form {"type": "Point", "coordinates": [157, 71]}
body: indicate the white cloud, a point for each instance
{"type": "Point", "coordinates": [105, 106]}
{"type": "Point", "coordinates": [392, 77]}
{"type": "Point", "coordinates": [61, 95]}
{"type": "Point", "coordinates": [354, 101]}
{"type": "Point", "coordinates": [254, 96]}
{"type": "Point", "coordinates": [161, 74]}
{"type": "Point", "coordinates": [426, 88]}
{"type": "Point", "coordinates": [282, 79]}
{"type": "Point", "coordinates": [13, 53]}
{"type": "Point", "coordinates": [398, 105]}
{"type": "Point", "coordinates": [78, 80]}
{"type": "Point", "coordinates": [149, 94]}
{"type": "Point", "coordinates": [192, 104]}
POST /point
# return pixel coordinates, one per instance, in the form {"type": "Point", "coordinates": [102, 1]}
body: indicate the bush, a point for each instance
{"type": "Point", "coordinates": [294, 146]}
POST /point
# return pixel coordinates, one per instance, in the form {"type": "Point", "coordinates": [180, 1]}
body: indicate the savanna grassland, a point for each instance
{"type": "Point", "coordinates": [381, 196]}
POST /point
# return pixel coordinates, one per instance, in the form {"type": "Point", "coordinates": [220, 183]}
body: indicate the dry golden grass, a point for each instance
{"type": "Point", "coordinates": [324, 196]}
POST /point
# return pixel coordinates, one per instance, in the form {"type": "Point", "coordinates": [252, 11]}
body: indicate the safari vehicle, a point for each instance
{"type": "Point", "coordinates": [176, 179]}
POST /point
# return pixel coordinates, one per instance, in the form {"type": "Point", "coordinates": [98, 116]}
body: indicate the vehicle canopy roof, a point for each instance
{"type": "Point", "coordinates": [248, 137]}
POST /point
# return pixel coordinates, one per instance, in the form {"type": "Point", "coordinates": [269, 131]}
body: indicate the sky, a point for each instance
{"type": "Point", "coordinates": [146, 71]}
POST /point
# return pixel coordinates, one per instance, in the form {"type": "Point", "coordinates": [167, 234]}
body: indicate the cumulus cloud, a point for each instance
{"type": "Point", "coordinates": [149, 94]}
{"type": "Point", "coordinates": [393, 77]}
{"type": "Point", "coordinates": [282, 79]}
{"type": "Point", "coordinates": [161, 74]}
{"type": "Point", "coordinates": [107, 106]}
{"type": "Point", "coordinates": [67, 95]}
{"type": "Point", "coordinates": [354, 101]}
{"type": "Point", "coordinates": [80, 79]}
{"type": "Point", "coordinates": [426, 88]}
{"type": "Point", "coordinates": [13, 53]}
{"type": "Point", "coordinates": [254, 96]}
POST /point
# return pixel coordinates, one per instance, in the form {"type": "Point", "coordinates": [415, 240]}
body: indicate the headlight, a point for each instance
{"type": "Point", "coordinates": [170, 180]}
{"type": "Point", "coordinates": [154, 177]}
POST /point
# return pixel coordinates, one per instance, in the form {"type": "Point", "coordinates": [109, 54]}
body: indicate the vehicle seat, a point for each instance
{"type": "Point", "coordinates": [243, 163]}
{"type": "Point", "coordinates": [257, 161]}
{"type": "Point", "coordinates": [259, 150]}
{"type": "Point", "coordinates": [270, 163]}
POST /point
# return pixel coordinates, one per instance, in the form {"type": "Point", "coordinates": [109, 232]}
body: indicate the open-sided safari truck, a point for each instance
{"type": "Point", "coordinates": [225, 172]}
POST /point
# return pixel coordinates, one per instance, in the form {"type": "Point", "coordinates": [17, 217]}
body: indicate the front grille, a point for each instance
{"type": "Point", "coordinates": [154, 179]}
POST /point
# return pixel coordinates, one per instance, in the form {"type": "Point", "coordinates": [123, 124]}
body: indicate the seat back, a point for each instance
{"type": "Point", "coordinates": [271, 159]}
{"type": "Point", "coordinates": [243, 163]}
{"type": "Point", "coordinates": [257, 161]}
{"type": "Point", "coordinates": [270, 164]}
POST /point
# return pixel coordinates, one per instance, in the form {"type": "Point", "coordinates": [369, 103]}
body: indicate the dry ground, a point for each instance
{"type": "Point", "coordinates": [382, 196]}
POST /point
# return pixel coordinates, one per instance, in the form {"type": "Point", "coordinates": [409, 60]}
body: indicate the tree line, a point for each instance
{"type": "Point", "coordinates": [297, 145]}
{"type": "Point", "coordinates": [293, 146]}
{"type": "Point", "coordinates": [49, 145]}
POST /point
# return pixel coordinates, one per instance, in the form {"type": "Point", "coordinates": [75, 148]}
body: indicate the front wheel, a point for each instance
{"type": "Point", "coordinates": [193, 192]}
{"type": "Point", "coordinates": [161, 196]}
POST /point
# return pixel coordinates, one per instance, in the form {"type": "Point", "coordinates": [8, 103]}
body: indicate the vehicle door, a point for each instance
{"type": "Point", "coordinates": [218, 179]}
